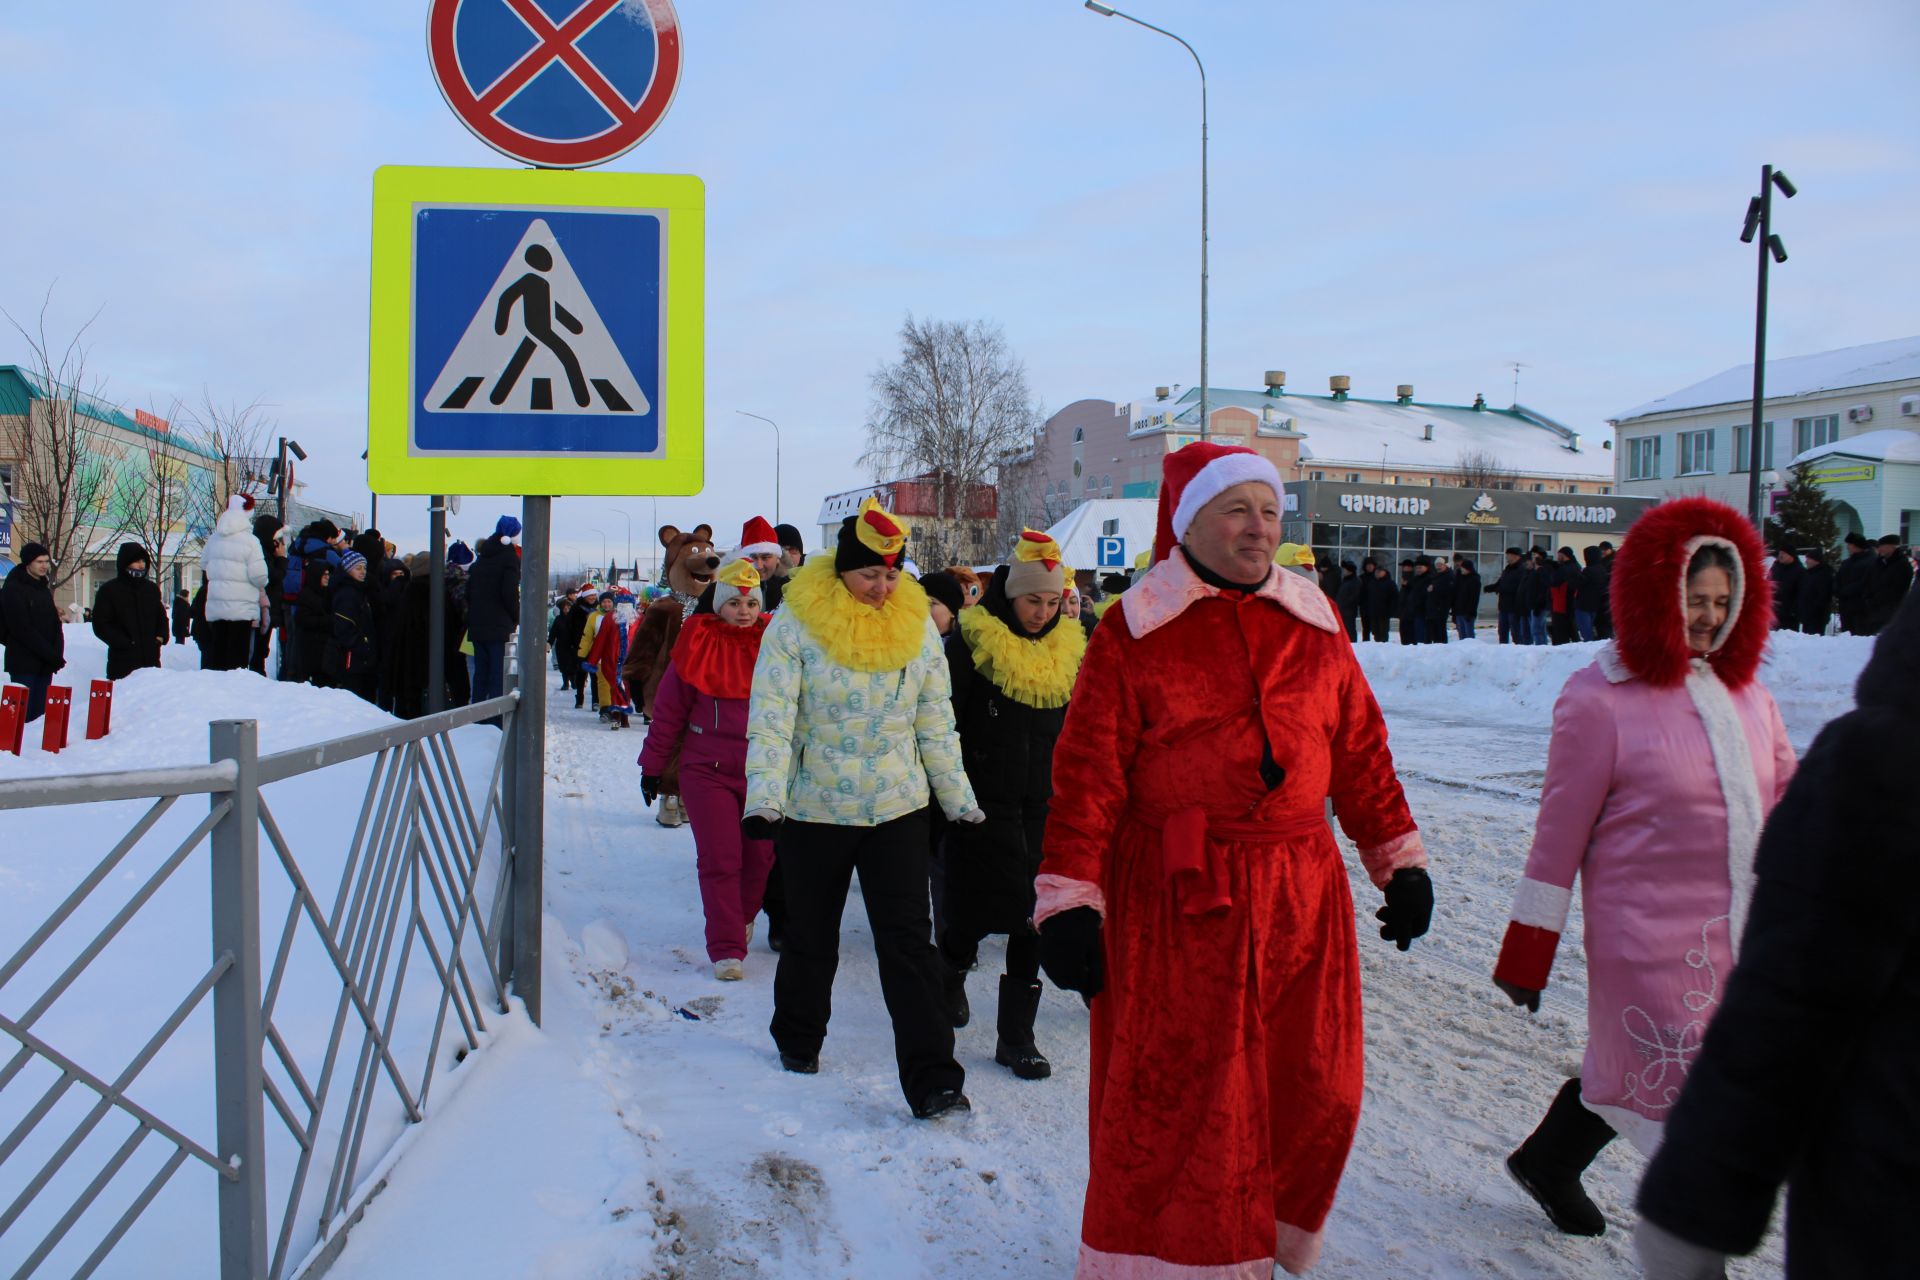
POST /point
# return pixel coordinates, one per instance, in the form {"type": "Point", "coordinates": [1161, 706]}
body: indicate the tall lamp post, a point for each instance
{"type": "Point", "coordinates": [776, 458]}
{"type": "Point", "coordinates": [1759, 226]}
{"type": "Point", "coordinates": [603, 550]}
{"type": "Point", "coordinates": [1108, 11]}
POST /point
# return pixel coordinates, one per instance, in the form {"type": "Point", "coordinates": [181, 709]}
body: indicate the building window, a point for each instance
{"type": "Point", "coordinates": [1643, 458]}
{"type": "Point", "coordinates": [1740, 434]}
{"type": "Point", "coordinates": [1079, 434]}
{"type": "Point", "coordinates": [1319, 475]}
{"type": "Point", "coordinates": [1106, 485]}
{"type": "Point", "coordinates": [1539, 488]}
{"type": "Point", "coordinates": [1811, 433]}
{"type": "Point", "coordinates": [1606, 489]}
{"type": "Point", "coordinates": [1696, 453]}
{"type": "Point", "coordinates": [6, 482]}
{"type": "Point", "coordinates": [1353, 477]}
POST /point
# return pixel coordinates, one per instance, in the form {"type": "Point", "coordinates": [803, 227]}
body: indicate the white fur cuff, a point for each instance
{"type": "Point", "coordinates": [1541, 905]}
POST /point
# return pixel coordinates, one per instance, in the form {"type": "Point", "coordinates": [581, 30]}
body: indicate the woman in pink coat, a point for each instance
{"type": "Point", "coordinates": [1666, 757]}
{"type": "Point", "coordinates": [700, 711]}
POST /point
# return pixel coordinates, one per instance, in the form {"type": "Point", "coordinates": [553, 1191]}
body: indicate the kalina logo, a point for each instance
{"type": "Point", "coordinates": [1483, 511]}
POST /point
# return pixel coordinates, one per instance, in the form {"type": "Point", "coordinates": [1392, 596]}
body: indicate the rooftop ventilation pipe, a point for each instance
{"type": "Point", "coordinates": [1404, 393]}
{"type": "Point", "coordinates": [1428, 433]}
{"type": "Point", "coordinates": [1161, 393]}
{"type": "Point", "coordinates": [1479, 403]}
{"type": "Point", "coordinates": [1340, 384]}
{"type": "Point", "coordinates": [1276, 382]}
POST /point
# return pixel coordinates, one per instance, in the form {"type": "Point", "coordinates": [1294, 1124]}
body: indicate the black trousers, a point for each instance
{"type": "Point", "coordinates": [960, 950]}
{"type": "Point", "coordinates": [817, 863]}
{"type": "Point", "coordinates": [229, 645]}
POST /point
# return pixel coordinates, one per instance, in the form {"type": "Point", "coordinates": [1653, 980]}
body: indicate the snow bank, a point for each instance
{"type": "Point", "coordinates": [119, 1000]}
{"type": "Point", "coordinates": [1811, 677]}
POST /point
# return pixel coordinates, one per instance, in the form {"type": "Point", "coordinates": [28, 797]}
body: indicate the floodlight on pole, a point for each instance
{"type": "Point", "coordinates": [1108, 11]}
{"type": "Point", "coordinates": [1759, 224]}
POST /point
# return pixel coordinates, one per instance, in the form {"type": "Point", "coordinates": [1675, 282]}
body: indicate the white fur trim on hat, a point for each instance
{"type": "Point", "coordinates": [758, 549]}
{"type": "Point", "coordinates": [1218, 476]}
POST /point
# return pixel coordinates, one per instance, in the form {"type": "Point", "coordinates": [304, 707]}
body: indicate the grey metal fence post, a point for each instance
{"type": "Point", "coordinates": [530, 751]}
{"type": "Point", "coordinates": [239, 1105]}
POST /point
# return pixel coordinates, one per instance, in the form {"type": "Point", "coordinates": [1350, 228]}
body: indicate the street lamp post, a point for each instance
{"type": "Point", "coordinates": [776, 458]}
{"type": "Point", "coordinates": [1108, 11]}
{"type": "Point", "coordinates": [1759, 226]}
{"type": "Point", "coordinates": [603, 548]}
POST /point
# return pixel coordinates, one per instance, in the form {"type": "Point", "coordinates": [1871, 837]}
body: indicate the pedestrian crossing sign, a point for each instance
{"type": "Point", "coordinates": [536, 332]}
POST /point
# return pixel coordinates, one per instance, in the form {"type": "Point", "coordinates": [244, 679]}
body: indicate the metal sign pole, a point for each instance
{"type": "Point", "coordinates": [437, 603]}
{"type": "Point", "coordinates": [530, 749]}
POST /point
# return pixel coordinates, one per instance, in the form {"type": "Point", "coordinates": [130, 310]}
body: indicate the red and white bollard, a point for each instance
{"type": "Point", "coordinates": [59, 708]}
{"type": "Point", "coordinates": [99, 709]}
{"type": "Point", "coordinates": [13, 717]}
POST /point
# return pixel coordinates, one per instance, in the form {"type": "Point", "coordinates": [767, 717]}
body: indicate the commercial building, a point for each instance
{"type": "Point", "coordinates": [1113, 449]}
{"type": "Point", "coordinates": [1851, 415]}
{"type": "Point", "coordinates": [1343, 521]}
{"type": "Point", "coordinates": [946, 529]}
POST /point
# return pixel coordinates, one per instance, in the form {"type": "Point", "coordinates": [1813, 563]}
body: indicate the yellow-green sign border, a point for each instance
{"type": "Point", "coordinates": [391, 469]}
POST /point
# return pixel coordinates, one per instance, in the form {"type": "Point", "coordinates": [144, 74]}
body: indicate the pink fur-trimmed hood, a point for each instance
{"type": "Point", "coordinates": [1171, 586]}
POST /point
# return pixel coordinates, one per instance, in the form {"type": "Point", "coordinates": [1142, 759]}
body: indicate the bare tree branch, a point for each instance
{"type": "Point", "coordinates": [1483, 469]}
{"type": "Point", "coordinates": [62, 481]}
{"type": "Point", "coordinates": [950, 408]}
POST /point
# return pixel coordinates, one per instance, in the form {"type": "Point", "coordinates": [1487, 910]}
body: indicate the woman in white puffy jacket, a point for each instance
{"type": "Point", "coordinates": [236, 572]}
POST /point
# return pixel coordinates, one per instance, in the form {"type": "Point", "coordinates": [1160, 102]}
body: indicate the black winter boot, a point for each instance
{"type": "Point", "coordinates": [1019, 1002]}
{"type": "Point", "coordinates": [954, 985]}
{"type": "Point", "coordinates": [1548, 1164]}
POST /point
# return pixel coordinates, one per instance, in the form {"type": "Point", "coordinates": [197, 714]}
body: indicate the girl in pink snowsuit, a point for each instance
{"type": "Point", "coordinates": [701, 711]}
{"type": "Point", "coordinates": [1667, 755]}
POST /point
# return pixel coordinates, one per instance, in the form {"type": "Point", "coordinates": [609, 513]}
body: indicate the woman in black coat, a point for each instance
{"type": "Point", "coordinates": [1013, 660]}
{"type": "Point", "coordinates": [1806, 1075]}
{"type": "Point", "coordinates": [1378, 599]}
{"type": "Point", "coordinates": [129, 615]}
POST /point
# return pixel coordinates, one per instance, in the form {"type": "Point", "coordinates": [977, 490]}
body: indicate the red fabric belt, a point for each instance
{"type": "Point", "coordinates": [1190, 842]}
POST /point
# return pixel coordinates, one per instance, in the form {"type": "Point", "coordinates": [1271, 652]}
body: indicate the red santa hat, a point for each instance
{"type": "Point", "coordinates": [757, 538]}
{"type": "Point", "coordinates": [1195, 476]}
{"type": "Point", "coordinates": [240, 502]}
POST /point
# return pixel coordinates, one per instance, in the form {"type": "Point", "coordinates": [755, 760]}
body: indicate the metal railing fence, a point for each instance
{"type": "Point", "coordinates": [323, 1050]}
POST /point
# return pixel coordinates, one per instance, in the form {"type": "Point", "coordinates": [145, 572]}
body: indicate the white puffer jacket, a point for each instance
{"type": "Point", "coordinates": [236, 569]}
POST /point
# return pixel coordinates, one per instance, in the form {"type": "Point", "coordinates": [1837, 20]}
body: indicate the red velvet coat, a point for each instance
{"type": "Point", "coordinates": [1226, 1054]}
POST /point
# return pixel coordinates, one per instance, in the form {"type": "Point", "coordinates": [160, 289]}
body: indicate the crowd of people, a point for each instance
{"type": "Point", "coordinates": [1140, 793]}
{"type": "Point", "coordinates": [1562, 598]}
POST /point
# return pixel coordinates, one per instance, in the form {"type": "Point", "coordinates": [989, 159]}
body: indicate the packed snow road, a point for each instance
{"type": "Point", "coordinates": [647, 1130]}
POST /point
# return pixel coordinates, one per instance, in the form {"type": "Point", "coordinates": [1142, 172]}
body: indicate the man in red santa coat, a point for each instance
{"type": "Point", "coordinates": [1193, 891]}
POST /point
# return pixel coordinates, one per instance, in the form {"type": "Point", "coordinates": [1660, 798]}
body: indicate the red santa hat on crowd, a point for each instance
{"type": "Point", "coordinates": [1195, 476]}
{"type": "Point", "coordinates": [757, 538]}
{"type": "Point", "coordinates": [240, 502]}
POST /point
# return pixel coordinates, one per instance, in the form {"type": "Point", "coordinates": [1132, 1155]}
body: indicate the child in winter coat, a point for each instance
{"type": "Point", "coordinates": [1013, 659]}
{"type": "Point", "coordinates": [700, 712]}
{"type": "Point", "coordinates": [1667, 754]}
{"type": "Point", "coordinates": [349, 661]}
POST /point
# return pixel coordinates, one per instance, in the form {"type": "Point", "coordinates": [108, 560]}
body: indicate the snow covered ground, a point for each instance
{"type": "Point", "coordinates": [120, 999]}
{"type": "Point", "coordinates": [646, 1130]}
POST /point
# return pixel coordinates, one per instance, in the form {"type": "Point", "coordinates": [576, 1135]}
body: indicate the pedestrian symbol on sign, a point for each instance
{"type": "Point", "coordinates": [515, 348]}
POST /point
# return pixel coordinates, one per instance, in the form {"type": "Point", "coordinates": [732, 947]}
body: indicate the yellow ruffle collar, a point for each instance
{"type": "Point", "coordinates": [855, 635]}
{"type": "Point", "coordinates": [1036, 673]}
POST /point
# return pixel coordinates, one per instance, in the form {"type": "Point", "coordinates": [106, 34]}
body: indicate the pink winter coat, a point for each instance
{"type": "Point", "coordinates": [1661, 772]}
{"type": "Point", "coordinates": [707, 730]}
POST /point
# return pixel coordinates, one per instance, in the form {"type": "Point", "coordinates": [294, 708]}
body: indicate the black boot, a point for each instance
{"type": "Point", "coordinates": [1548, 1164]}
{"type": "Point", "coordinates": [953, 985]}
{"type": "Point", "coordinates": [1019, 1001]}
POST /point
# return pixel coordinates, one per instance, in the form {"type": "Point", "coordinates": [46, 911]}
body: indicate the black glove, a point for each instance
{"type": "Point", "coordinates": [1071, 953]}
{"type": "Point", "coordinates": [1520, 995]}
{"type": "Point", "coordinates": [757, 826]}
{"type": "Point", "coordinates": [650, 784]}
{"type": "Point", "coordinates": [1409, 908]}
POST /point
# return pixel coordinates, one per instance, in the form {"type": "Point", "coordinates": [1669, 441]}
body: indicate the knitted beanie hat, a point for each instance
{"type": "Point", "coordinates": [1036, 566]}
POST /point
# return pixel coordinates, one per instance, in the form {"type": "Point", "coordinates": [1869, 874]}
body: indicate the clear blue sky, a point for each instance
{"type": "Point", "coordinates": [1401, 192]}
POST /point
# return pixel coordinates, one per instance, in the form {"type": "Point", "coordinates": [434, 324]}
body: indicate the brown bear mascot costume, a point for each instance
{"type": "Point", "coordinates": [688, 566]}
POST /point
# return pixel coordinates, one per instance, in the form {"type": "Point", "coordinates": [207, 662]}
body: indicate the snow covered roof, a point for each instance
{"type": "Point", "coordinates": [1891, 444]}
{"type": "Point", "coordinates": [1366, 432]}
{"type": "Point", "coordinates": [1893, 361]}
{"type": "Point", "coordinates": [1080, 530]}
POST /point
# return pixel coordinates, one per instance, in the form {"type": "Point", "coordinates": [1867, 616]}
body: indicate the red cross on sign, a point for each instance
{"type": "Point", "coordinates": [561, 84]}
